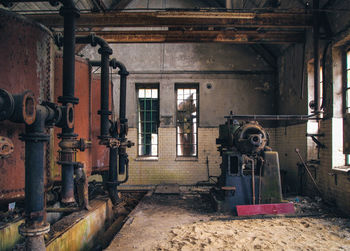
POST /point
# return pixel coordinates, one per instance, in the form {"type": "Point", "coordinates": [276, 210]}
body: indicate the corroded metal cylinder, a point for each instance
{"type": "Point", "coordinates": [82, 111]}
{"type": "Point", "coordinates": [26, 50]}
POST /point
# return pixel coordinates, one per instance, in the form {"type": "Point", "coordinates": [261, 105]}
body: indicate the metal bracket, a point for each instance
{"type": "Point", "coordinates": [314, 139]}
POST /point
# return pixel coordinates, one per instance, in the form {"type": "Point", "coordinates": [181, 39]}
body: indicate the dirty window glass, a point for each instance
{"type": "Point", "coordinates": [148, 117]}
{"type": "Point", "coordinates": [186, 121]}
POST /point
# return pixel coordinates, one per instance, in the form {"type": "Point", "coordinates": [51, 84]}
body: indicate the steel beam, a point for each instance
{"type": "Point", "coordinates": [183, 19]}
{"type": "Point", "coordinates": [238, 37]}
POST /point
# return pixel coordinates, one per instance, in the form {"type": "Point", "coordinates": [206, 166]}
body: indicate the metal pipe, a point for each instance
{"type": "Point", "coordinates": [70, 13]}
{"type": "Point", "coordinates": [35, 138]}
{"type": "Point", "coordinates": [123, 157]}
{"type": "Point", "coordinates": [316, 41]}
{"type": "Point", "coordinates": [272, 117]}
{"type": "Point", "coordinates": [113, 175]}
{"type": "Point", "coordinates": [105, 51]}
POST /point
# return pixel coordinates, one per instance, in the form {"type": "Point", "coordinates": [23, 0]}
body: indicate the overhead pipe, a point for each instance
{"type": "Point", "coordinates": [272, 117]}
{"type": "Point", "coordinates": [105, 50]}
{"type": "Point", "coordinates": [108, 133]}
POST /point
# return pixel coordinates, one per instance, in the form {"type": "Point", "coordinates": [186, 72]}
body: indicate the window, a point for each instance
{"type": "Point", "coordinates": [347, 90]}
{"type": "Point", "coordinates": [321, 89]}
{"type": "Point", "coordinates": [148, 120]}
{"type": "Point", "coordinates": [347, 97]}
{"type": "Point", "coordinates": [186, 120]}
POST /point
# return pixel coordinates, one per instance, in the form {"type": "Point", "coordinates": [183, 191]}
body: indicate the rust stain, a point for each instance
{"type": "Point", "coordinates": [82, 111]}
{"type": "Point", "coordinates": [19, 72]}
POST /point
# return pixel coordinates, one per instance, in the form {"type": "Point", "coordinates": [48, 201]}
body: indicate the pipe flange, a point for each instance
{"type": "Point", "coordinates": [66, 100]}
{"type": "Point", "coordinates": [33, 231]}
{"type": "Point", "coordinates": [7, 104]}
{"type": "Point", "coordinates": [73, 163]}
{"type": "Point", "coordinates": [105, 50]}
{"type": "Point", "coordinates": [104, 112]}
{"type": "Point", "coordinates": [26, 106]}
{"type": "Point", "coordinates": [34, 137]}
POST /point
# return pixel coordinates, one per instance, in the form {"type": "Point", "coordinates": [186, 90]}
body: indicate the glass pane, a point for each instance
{"type": "Point", "coordinates": [141, 93]}
{"type": "Point", "coordinates": [347, 159]}
{"type": "Point", "coordinates": [347, 98]}
{"type": "Point", "coordinates": [348, 59]}
{"type": "Point", "coordinates": [154, 93]}
{"type": "Point", "coordinates": [148, 122]}
{"type": "Point", "coordinates": [148, 93]}
{"type": "Point", "coordinates": [186, 122]}
{"type": "Point", "coordinates": [348, 83]}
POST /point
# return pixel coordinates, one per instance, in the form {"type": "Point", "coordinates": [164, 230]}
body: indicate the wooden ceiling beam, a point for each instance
{"type": "Point", "coordinates": [183, 19]}
{"type": "Point", "coordinates": [234, 37]}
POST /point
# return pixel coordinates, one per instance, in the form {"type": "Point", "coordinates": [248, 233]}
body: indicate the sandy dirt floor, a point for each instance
{"type": "Point", "coordinates": [187, 222]}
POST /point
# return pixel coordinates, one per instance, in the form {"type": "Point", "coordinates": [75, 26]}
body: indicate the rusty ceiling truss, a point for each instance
{"type": "Point", "coordinates": [190, 26]}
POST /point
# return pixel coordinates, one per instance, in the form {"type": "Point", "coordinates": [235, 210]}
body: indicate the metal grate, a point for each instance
{"type": "Point", "coordinates": [148, 120]}
{"type": "Point", "coordinates": [187, 122]}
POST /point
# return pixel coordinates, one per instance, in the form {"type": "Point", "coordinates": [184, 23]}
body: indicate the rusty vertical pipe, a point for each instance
{"type": "Point", "coordinates": [70, 13]}
{"type": "Point", "coordinates": [35, 138]}
{"type": "Point", "coordinates": [316, 42]}
{"type": "Point", "coordinates": [104, 110]}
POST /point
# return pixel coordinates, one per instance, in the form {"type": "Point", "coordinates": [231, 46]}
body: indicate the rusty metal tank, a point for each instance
{"type": "Point", "coordinates": [26, 50]}
{"type": "Point", "coordinates": [82, 113]}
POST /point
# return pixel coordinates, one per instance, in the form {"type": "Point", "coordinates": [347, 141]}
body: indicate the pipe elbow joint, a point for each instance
{"type": "Point", "coordinates": [104, 46]}
{"type": "Point", "coordinates": [122, 69]}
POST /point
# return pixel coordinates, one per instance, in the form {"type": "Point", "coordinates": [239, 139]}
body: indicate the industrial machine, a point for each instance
{"type": "Point", "coordinates": [250, 172]}
{"type": "Point", "coordinates": [53, 117]}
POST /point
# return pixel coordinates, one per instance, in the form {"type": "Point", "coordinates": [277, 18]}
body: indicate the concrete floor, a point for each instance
{"type": "Point", "coordinates": [187, 222]}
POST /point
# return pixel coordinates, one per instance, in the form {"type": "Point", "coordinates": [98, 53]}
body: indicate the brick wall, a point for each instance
{"type": "Point", "coordinates": [286, 140]}
{"type": "Point", "coordinates": [170, 169]}
{"type": "Point", "coordinates": [334, 185]}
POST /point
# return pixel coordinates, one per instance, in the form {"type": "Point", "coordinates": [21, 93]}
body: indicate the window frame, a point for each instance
{"type": "Point", "coordinates": [346, 89]}
{"type": "Point", "coordinates": [138, 87]}
{"type": "Point", "coordinates": [187, 86]}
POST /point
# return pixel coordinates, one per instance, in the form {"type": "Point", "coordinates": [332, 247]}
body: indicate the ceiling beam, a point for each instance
{"type": "Point", "coordinates": [183, 19]}
{"type": "Point", "coordinates": [234, 37]}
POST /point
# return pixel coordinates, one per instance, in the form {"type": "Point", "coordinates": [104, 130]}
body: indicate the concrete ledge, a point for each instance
{"type": "Point", "coordinates": [79, 230]}
{"type": "Point", "coordinates": [9, 235]}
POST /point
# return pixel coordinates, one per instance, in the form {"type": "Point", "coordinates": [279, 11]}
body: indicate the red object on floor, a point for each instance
{"type": "Point", "coordinates": [280, 208]}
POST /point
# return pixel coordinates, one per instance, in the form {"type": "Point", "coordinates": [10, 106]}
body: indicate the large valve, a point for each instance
{"type": "Point", "coordinates": [250, 138]}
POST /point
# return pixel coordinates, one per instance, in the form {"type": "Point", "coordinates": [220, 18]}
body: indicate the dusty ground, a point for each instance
{"type": "Point", "coordinates": [186, 222]}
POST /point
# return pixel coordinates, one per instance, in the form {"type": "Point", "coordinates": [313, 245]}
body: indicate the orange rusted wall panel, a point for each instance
{"type": "Point", "coordinates": [26, 54]}
{"type": "Point", "coordinates": [82, 116]}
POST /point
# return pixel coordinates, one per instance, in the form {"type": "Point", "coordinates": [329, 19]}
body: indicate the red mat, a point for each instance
{"type": "Point", "coordinates": [280, 208]}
